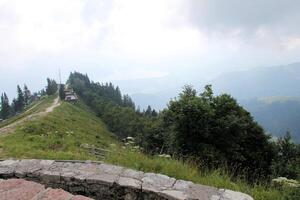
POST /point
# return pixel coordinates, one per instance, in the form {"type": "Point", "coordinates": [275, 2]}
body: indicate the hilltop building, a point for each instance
{"type": "Point", "coordinates": [70, 95]}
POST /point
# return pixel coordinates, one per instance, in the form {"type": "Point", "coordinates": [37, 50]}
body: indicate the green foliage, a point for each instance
{"type": "Point", "coordinates": [188, 170]}
{"type": "Point", "coordinates": [59, 135]}
{"type": "Point", "coordinates": [287, 159]}
{"type": "Point", "coordinates": [106, 100]}
{"type": "Point", "coordinates": [217, 131]}
{"type": "Point", "coordinates": [27, 95]}
{"type": "Point", "coordinates": [291, 194]}
{"type": "Point", "coordinates": [5, 108]}
{"type": "Point", "coordinates": [20, 102]}
{"type": "Point", "coordinates": [37, 106]}
{"type": "Point", "coordinates": [62, 92]}
{"type": "Point", "coordinates": [51, 87]}
{"type": "Point", "coordinates": [209, 129]}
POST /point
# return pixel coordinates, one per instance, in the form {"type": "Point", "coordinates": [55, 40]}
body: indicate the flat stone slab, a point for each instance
{"type": "Point", "coordinates": [99, 181]}
{"type": "Point", "coordinates": [20, 189]}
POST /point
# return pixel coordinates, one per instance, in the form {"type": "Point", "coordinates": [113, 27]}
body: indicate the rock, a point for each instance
{"type": "Point", "coordinates": [230, 195]}
{"type": "Point", "coordinates": [284, 182]}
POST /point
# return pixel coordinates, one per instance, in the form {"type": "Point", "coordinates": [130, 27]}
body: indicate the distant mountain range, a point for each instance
{"type": "Point", "coordinates": [276, 115]}
{"type": "Point", "coordinates": [271, 94]}
{"type": "Point", "coordinates": [261, 82]}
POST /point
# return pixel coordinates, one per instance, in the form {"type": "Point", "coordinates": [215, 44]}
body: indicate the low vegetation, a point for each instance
{"type": "Point", "coordinates": [34, 107]}
{"type": "Point", "coordinates": [63, 133]}
{"type": "Point", "coordinates": [219, 149]}
{"type": "Point", "coordinates": [59, 135]}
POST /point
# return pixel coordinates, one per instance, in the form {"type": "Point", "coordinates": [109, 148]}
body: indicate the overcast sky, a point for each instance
{"type": "Point", "coordinates": [140, 39]}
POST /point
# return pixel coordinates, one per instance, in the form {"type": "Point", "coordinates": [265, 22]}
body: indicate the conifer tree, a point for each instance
{"type": "Point", "coordinates": [62, 92]}
{"type": "Point", "coordinates": [5, 108]}
{"type": "Point", "coordinates": [118, 95]}
{"type": "Point", "coordinates": [27, 95]}
{"type": "Point", "coordinates": [20, 99]}
{"type": "Point", "coordinates": [14, 105]}
{"type": "Point", "coordinates": [148, 111]}
{"type": "Point", "coordinates": [51, 87]}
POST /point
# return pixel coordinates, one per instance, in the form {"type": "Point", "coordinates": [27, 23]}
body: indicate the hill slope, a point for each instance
{"type": "Point", "coordinates": [58, 135]}
{"type": "Point", "coordinates": [63, 133]}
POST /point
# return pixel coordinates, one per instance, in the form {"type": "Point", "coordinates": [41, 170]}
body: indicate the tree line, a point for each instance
{"type": "Point", "coordinates": [24, 99]}
{"type": "Point", "coordinates": [211, 130]}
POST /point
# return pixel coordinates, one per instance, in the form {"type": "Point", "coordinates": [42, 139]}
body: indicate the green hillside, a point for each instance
{"type": "Point", "coordinates": [64, 133]}
{"type": "Point", "coordinates": [59, 135]}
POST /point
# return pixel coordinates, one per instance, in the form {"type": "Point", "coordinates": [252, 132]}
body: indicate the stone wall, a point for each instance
{"type": "Point", "coordinates": [110, 182]}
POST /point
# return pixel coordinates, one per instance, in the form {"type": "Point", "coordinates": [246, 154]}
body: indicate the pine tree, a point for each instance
{"type": "Point", "coordinates": [14, 106]}
{"type": "Point", "coordinates": [62, 92]}
{"type": "Point", "coordinates": [5, 108]}
{"type": "Point", "coordinates": [118, 95]}
{"type": "Point", "coordinates": [20, 99]}
{"type": "Point", "coordinates": [148, 111]}
{"type": "Point", "coordinates": [154, 113]}
{"type": "Point", "coordinates": [51, 87]}
{"type": "Point", "coordinates": [27, 95]}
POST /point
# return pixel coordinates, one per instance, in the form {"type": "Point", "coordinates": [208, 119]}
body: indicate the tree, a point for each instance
{"type": "Point", "coordinates": [287, 159]}
{"type": "Point", "coordinates": [14, 106]}
{"type": "Point", "coordinates": [27, 95]}
{"type": "Point", "coordinates": [62, 92]}
{"type": "Point", "coordinates": [5, 108]}
{"type": "Point", "coordinates": [51, 86]}
{"type": "Point", "coordinates": [127, 101]}
{"type": "Point", "coordinates": [118, 95]}
{"type": "Point", "coordinates": [216, 130]}
{"type": "Point", "coordinates": [148, 111]}
{"type": "Point", "coordinates": [20, 100]}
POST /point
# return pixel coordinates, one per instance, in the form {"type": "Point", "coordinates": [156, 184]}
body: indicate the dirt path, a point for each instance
{"type": "Point", "coordinates": [54, 105]}
{"type": "Point", "coordinates": [10, 127]}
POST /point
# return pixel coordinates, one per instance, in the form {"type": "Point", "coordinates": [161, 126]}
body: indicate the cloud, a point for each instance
{"type": "Point", "coordinates": [134, 74]}
{"type": "Point", "coordinates": [117, 39]}
{"type": "Point", "coordinates": [244, 14]}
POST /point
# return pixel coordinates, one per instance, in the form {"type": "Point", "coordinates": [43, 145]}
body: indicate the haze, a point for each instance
{"type": "Point", "coordinates": [177, 41]}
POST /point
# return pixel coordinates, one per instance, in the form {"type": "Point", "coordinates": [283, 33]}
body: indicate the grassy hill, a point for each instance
{"type": "Point", "coordinates": [63, 133]}
{"type": "Point", "coordinates": [59, 135]}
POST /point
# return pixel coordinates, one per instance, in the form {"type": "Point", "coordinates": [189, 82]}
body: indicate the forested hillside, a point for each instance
{"type": "Point", "coordinates": [202, 137]}
{"type": "Point", "coordinates": [204, 127]}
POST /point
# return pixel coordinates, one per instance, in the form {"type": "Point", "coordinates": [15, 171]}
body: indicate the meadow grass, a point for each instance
{"type": "Point", "coordinates": [61, 134]}
{"type": "Point", "coordinates": [188, 171]}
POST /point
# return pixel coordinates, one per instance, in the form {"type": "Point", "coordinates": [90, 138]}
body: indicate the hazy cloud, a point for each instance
{"type": "Point", "coordinates": [251, 15]}
{"type": "Point", "coordinates": [119, 40]}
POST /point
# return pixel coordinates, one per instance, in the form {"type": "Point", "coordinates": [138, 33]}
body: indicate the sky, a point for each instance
{"type": "Point", "coordinates": [124, 40]}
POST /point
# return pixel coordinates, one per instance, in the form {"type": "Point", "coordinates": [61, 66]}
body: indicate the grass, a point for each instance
{"type": "Point", "coordinates": [61, 134]}
{"type": "Point", "coordinates": [188, 171]}
{"type": "Point", "coordinates": [36, 106]}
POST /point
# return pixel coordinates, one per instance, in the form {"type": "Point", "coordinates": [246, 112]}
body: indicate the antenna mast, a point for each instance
{"type": "Point", "coordinates": [59, 76]}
